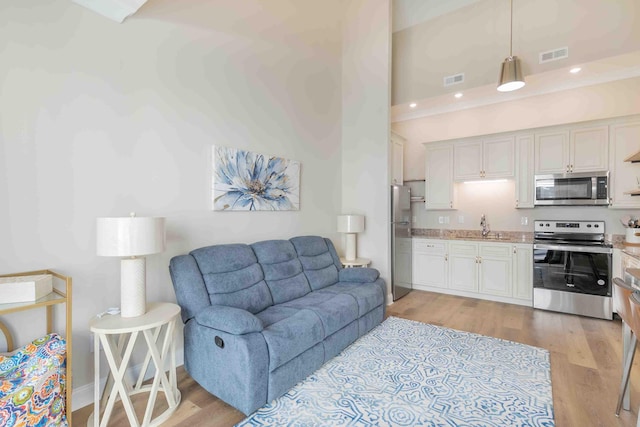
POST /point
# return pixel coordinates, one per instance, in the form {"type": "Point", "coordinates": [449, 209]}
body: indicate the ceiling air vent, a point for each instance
{"type": "Point", "coordinates": [554, 55]}
{"type": "Point", "coordinates": [453, 80]}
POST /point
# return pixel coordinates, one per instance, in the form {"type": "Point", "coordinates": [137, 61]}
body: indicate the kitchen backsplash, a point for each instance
{"type": "Point", "coordinates": [496, 200]}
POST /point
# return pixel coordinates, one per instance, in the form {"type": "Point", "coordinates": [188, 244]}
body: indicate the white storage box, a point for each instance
{"type": "Point", "coordinates": [24, 288]}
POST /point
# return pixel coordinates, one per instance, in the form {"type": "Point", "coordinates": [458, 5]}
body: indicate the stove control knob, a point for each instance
{"type": "Point", "coordinates": [548, 225]}
{"type": "Point", "coordinates": [596, 226]}
{"type": "Point", "coordinates": [589, 225]}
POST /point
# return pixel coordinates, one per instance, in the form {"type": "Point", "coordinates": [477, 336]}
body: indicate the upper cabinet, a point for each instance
{"type": "Point", "coordinates": [625, 176]}
{"type": "Point", "coordinates": [484, 158]}
{"type": "Point", "coordinates": [397, 159]}
{"type": "Point", "coordinates": [524, 171]}
{"type": "Point", "coordinates": [576, 150]}
{"type": "Point", "coordinates": [439, 187]}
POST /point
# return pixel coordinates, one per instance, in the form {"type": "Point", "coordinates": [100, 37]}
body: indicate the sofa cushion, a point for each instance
{"type": "Point", "coordinates": [334, 310]}
{"type": "Point", "coordinates": [233, 277]}
{"type": "Point", "coordinates": [367, 295]}
{"type": "Point", "coordinates": [282, 270]}
{"type": "Point", "coordinates": [317, 260]}
{"type": "Point", "coordinates": [292, 336]}
{"type": "Point", "coordinates": [275, 313]}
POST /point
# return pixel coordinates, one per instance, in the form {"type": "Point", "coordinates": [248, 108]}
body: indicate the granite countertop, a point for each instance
{"type": "Point", "coordinates": [508, 237]}
{"type": "Point", "coordinates": [494, 236]}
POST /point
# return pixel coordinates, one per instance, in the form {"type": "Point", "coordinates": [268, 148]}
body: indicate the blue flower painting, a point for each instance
{"type": "Point", "coordinates": [247, 181]}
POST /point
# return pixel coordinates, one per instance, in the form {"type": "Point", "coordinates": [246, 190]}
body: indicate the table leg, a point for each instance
{"type": "Point", "coordinates": [119, 382]}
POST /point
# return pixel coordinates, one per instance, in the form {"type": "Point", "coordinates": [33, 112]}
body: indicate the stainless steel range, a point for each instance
{"type": "Point", "coordinates": [572, 268]}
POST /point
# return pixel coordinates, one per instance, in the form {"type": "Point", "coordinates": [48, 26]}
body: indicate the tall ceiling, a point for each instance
{"type": "Point", "coordinates": [437, 38]}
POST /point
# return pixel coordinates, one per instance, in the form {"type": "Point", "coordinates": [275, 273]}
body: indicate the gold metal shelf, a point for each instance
{"type": "Point", "coordinates": [58, 296]}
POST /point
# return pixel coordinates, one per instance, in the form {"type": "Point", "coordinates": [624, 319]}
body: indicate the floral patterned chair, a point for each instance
{"type": "Point", "coordinates": [32, 384]}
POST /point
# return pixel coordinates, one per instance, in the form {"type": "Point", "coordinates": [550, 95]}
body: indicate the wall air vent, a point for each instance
{"type": "Point", "coordinates": [454, 80]}
{"type": "Point", "coordinates": [554, 55]}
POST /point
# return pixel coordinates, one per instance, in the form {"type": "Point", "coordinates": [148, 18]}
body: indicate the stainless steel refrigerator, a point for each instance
{"type": "Point", "coordinates": [400, 241]}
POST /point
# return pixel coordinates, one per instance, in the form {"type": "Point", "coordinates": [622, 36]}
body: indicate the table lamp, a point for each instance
{"type": "Point", "coordinates": [131, 238]}
{"type": "Point", "coordinates": [350, 224]}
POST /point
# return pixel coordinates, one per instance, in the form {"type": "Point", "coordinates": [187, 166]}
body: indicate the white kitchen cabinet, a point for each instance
{"type": "Point", "coordinates": [523, 271]}
{"type": "Point", "coordinates": [439, 187]}
{"type": "Point", "coordinates": [478, 269]}
{"type": "Point", "coordinates": [525, 186]}
{"type": "Point", "coordinates": [397, 159]}
{"type": "Point", "coordinates": [489, 158]}
{"type": "Point", "coordinates": [430, 263]}
{"type": "Point", "coordinates": [581, 149]}
{"type": "Point", "coordinates": [463, 266]}
{"type": "Point", "coordinates": [624, 176]}
{"type": "Point", "coordinates": [494, 273]}
{"type": "Point", "coordinates": [552, 152]}
{"type": "Point", "coordinates": [589, 149]}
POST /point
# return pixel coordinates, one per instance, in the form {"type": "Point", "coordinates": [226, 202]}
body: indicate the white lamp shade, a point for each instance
{"type": "Point", "coordinates": [130, 236]}
{"type": "Point", "coordinates": [350, 223]}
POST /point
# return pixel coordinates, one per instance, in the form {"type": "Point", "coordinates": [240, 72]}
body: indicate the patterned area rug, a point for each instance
{"type": "Point", "coordinates": [406, 373]}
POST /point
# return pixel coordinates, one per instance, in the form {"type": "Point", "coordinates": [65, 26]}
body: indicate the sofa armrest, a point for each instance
{"type": "Point", "coordinates": [362, 275]}
{"type": "Point", "coordinates": [232, 320]}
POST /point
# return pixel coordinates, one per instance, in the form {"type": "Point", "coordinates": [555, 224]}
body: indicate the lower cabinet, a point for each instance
{"type": "Point", "coordinates": [487, 270]}
{"type": "Point", "coordinates": [429, 266]}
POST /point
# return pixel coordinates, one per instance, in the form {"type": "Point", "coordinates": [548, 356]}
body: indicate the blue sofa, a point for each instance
{"type": "Point", "coordinates": [260, 318]}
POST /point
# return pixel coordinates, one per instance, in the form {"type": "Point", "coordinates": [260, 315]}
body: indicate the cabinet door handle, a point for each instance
{"type": "Point", "coordinates": [514, 249]}
{"type": "Point", "coordinates": [571, 168]}
{"type": "Point", "coordinates": [451, 204]}
{"type": "Point", "coordinates": [446, 257]}
{"type": "Point", "coordinates": [516, 203]}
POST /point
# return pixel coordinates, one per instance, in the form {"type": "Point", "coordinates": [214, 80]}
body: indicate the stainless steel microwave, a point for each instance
{"type": "Point", "coordinates": [572, 189]}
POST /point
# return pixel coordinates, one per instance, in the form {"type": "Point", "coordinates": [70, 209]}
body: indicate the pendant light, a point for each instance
{"type": "Point", "coordinates": [511, 72]}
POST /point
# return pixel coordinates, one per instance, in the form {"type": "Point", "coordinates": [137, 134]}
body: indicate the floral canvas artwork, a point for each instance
{"type": "Point", "coordinates": [248, 181]}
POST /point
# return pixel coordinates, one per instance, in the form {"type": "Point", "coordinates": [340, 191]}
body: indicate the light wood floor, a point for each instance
{"type": "Point", "coordinates": [585, 360]}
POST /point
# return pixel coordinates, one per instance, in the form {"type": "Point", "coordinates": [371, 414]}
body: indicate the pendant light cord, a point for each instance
{"type": "Point", "coordinates": [511, 29]}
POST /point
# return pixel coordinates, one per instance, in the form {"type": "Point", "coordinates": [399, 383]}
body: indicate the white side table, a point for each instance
{"type": "Point", "coordinates": [358, 262]}
{"type": "Point", "coordinates": [160, 350]}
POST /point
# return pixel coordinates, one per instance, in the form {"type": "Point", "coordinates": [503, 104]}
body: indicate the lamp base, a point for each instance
{"type": "Point", "coordinates": [350, 252]}
{"type": "Point", "coordinates": [133, 298]}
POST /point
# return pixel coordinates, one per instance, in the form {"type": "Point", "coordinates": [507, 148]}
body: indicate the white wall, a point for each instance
{"type": "Point", "coordinates": [100, 119]}
{"type": "Point", "coordinates": [365, 125]}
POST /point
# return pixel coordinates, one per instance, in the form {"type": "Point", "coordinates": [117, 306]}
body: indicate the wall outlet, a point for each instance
{"type": "Point", "coordinates": [524, 220]}
{"type": "Point", "coordinates": [440, 220]}
{"type": "Point", "coordinates": [460, 219]}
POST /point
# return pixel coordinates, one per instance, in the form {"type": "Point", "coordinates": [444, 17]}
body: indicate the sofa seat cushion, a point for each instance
{"type": "Point", "coordinates": [367, 295]}
{"type": "Point", "coordinates": [334, 310]}
{"type": "Point", "coordinates": [274, 314]}
{"type": "Point", "coordinates": [292, 336]}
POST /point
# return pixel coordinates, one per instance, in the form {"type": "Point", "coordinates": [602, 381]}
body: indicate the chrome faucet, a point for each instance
{"type": "Point", "coordinates": [484, 225]}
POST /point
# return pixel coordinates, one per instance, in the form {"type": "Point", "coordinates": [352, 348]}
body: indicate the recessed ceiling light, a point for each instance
{"type": "Point", "coordinates": [413, 105]}
{"type": "Point", "coordinates": [575, 70]}
{"type": "Point", "coordinates": [458, 95]}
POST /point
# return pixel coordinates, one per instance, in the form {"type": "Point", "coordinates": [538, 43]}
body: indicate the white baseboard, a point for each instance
{"type": "Point", "coordinates": [389, 299]}
{"type": "Point", "coordinates": [83, 396]}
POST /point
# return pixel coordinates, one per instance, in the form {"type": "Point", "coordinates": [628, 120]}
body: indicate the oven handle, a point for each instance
{"type": "Point", "coordinates": [571, 248]}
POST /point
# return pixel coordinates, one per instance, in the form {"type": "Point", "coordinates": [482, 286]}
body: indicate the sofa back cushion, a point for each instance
{"type": "Point", "coordinates": [282, 270]}
{"type": "Point", "coordinates": [233, 277]}
{"type": "Point", "coordinates": [318, 258]}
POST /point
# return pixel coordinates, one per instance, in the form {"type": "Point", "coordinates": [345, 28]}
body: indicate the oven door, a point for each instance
{"type": "Point", "coordinates": [568, 268]}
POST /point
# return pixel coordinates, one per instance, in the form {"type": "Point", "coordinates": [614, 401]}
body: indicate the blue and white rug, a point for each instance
{"type": "Point", "coordinates": [406, 373]}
